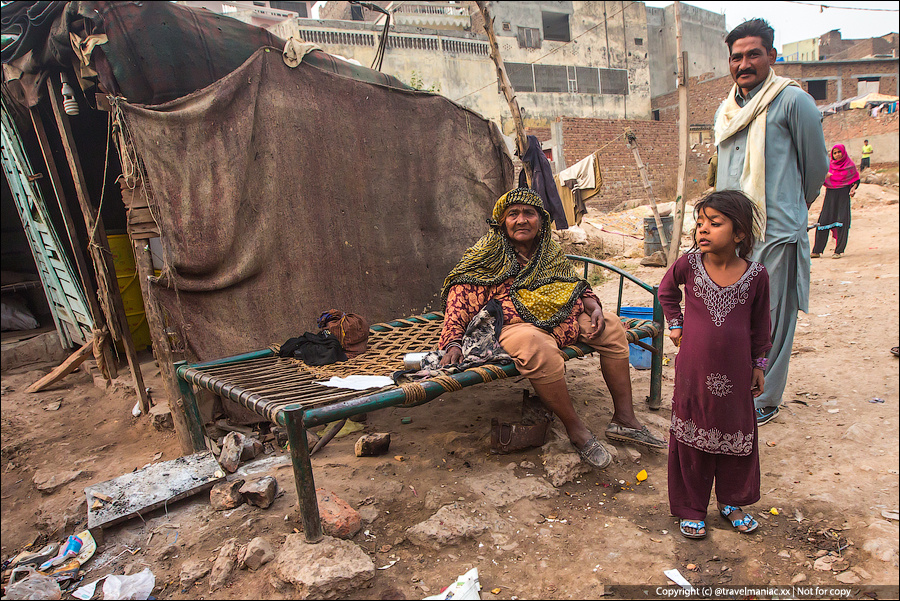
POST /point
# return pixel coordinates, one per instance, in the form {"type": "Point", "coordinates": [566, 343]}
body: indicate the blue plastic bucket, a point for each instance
{"type": "Point", "coordinates": [638, 357]}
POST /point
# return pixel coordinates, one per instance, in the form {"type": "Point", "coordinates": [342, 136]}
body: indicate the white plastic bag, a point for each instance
{"type": "Point", "coordinates": [465, 587]}
{"type": "Point", "coordinates": [35, 586]}
{"type": "Point", "coordinates": [136, 586]}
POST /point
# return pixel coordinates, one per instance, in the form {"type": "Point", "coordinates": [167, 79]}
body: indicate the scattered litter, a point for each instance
{"type": "Point", "coordinates": [496, 591]}
{"type": "Point", "coordinates": [157, 457]}
{"type": "Point", "coordinates": [399, 457]}
{"type": "Point", "coordinates": [692, 567]}
{"type": "Point", "coordinates": [641, 475]}
{"type": "Point", "coordinates": [87, 591]}
{"type": "Point", "coordinates": [890, 515]}
{"type": "Point", "coordinates": [834, 410]}
{"type": "Point", "coordinates": [136, 410]}
{"type": "Point", "coordinates": [876, 400]}
{"type": "Point", "coordinates": [798, 401]}
{"type": "Point", "coordinates": [465, 587]}
{"type": "Point", "coordinates": [34, 586]}
{"type": "Point", "coordinates": [71, 549]}
{"type": "Point", "coordinates": [389, 564]}
{"type": "Point", "coordinates": [54, 406]}
{"type": "Point", "coordinates": [358, 382]}
{"type": "Point", "coordinates": [676, 577]}
{"type": "Point", "coordinates": [770, 444]}
{"type": "Point", "coordinates": [136, 586]}
{"type": "Point", "coordinates": [798, 516]}
{"type": "Point", "coordinates": [405, 420]}
{"type": "Point", "coordinates": [773, 511]}
{"type": "Point", "coordinates": [824, 315]}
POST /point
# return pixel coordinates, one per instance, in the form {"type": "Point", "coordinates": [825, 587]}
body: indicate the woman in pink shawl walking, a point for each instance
{"type": "Point", "coordinates": [841, 184]}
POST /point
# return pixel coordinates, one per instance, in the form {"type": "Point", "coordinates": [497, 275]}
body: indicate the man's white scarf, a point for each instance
{"type": "Point", "coordinates": [733, 118]}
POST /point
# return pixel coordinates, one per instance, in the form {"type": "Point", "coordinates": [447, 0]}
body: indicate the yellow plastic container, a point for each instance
{"type": "Point", "coordinates": [130, 288]}
{"type": "Point", "coordinates": [123, 254]}
{"type": "Point", "coordinates": [140, 331]}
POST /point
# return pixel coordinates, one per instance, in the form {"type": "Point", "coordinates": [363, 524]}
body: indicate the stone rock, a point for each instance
{"type": "Point", "coordinates": [191, 571]}
{"type": "Point", "coordinates": [562, 467]}
{"type": "Point", "coordinates": [862, 573]}
{"type": "Point", "coordinates": [798, 578]}
{"type": "Point", "coordinates": [339, 519]}
{"type": "Point", "coordinates": [633, 454]}
{"type": "Point", "coordinates": [226, 495]}
{"type": "Point", "coordinates": [328, 569]}
{"type": "Point", "coordinates": [232, 448]}
{"type": "Point", "coordinates": [372, 445]}
{"type": "Point", "coordinates": [437, 497]}
{"type": "Point", "coordinates": [449, 525]}
{"type": "Point", "coordinates": [657, 259]}
{"type": "Point", "coordinates": [503, 488]}
{"type": "Point", "coordinates": [881, 541]}
{"type": "Point", "coordinates": [161, 417]}
{"type": "Point", "coordinates": [858, 433]}
{"type": "Point", "coordinates": [224, 565]}
{"type": "Point", "coordinates": [527, 465]}
{"type": "Point", "coordinates": [47, 481]}
{"type": "Point", "coordinates": [823, 564]}
{"type": "Point", "coordinates": [784, 553]}
{"type": "Point", "coordinates": [251, 448]}
{"type": "Point", "coordinates": [847, 577]}
{"type": "Point", "coordinates": [257, 553]}
{"type": "Point", "coordinates": [260, 492]}
{"type": "Point", "coordinates": [169, 552]}
{"type": "Point", "coordinates": [281, 437]}
{"type": "Point", "coordinates": [368, 514]}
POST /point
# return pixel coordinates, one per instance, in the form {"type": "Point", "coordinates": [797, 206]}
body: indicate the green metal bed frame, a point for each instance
{"type": "Point", "coordinates": [298, 417]}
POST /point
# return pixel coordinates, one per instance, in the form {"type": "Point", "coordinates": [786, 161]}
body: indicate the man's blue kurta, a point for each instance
{"type": "Point", "coordinates": [796, 166]}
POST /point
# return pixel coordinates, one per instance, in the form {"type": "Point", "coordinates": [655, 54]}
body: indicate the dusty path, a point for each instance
{"type": "Point", "coordinates": [829, 463]}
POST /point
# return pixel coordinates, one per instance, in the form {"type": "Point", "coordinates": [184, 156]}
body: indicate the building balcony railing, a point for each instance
{"type": "Point", "coordinates": [430, 43]}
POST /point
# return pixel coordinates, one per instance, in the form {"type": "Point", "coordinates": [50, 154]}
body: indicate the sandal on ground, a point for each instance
{"type": "Point", "coordinates": [683, 525]}
{"type": "Point", "coordinates": [895, 351]}
{"type": "Point", "coordinates": [837, 255]}
{"type": "Point", "coordinates": [747, 520]}
{"type": "Point", "coordinates": [594, 454]}
{"type": "Point", "coordinates": [643, 436]}
{"type": "Point", "coordinates": [815, 255]}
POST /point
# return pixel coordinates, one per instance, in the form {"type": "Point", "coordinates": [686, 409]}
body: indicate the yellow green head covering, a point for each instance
{"type": "Point", "coordinates": [544, 290]}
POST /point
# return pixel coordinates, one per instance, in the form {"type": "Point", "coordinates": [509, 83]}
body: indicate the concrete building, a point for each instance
{"type": "Point", "coordinates": [804, 50]}
{"type": "Point", "coordinates": [831, 46]}
{"type": "Point", "coordinates": [702, 37]}
{"type": "Point", "coordinates": [262, 14]}
{"type": "Point", "coordinates": [575, 59]}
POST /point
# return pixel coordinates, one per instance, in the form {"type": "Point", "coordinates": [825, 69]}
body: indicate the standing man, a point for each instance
{"type": "Point", "coordinates": [771, 147]}
{"type": "Point", "coordinates": [866, 155]}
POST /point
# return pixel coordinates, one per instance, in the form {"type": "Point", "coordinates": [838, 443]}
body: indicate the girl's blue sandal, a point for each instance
{"type": "Point", "coordinates": [747, 520]}
{"type": "Point", "coordinates": [696, 525]}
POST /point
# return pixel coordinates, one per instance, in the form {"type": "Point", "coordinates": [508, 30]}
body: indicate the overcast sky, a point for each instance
{"type": "Point", "coordinates": [795, 21]}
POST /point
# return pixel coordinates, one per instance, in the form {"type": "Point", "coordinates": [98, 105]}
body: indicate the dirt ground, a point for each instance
{"type": "Point", "coordinates": [829, 464]}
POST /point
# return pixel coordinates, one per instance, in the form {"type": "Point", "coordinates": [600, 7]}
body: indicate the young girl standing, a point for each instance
{"type": "Point", "coordinates": [723, 335]}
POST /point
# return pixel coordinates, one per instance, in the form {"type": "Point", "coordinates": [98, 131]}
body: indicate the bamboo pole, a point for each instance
{"type": "Point", "coordinates": [683, 126]}
{"type": "Point", "coordinates": [98, 246]}
{"type": "Point", "coordinates": [631, 142]}
{"type": "Point", "coordinates": [507, 88]}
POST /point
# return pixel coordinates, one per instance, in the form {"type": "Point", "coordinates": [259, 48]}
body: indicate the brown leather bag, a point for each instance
{"type": "Point", "coordinates": [351, 330]}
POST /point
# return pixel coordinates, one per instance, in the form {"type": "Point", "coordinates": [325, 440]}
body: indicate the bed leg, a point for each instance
{"type": "Point", "coordinates": [303, 476]}
{"type": "Point", "coordinates": [192, 412]}
{"type": "Point", "coordinates": [654, 401]}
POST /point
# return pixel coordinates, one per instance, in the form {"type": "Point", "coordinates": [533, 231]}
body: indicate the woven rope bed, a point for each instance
{"type": "Point", "coordinates": [285, 390]}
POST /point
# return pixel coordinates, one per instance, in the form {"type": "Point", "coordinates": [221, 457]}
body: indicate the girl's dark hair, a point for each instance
{"type": "Point", "coordinates": [735, 205]}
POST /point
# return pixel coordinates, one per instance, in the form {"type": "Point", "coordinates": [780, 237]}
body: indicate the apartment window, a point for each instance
{"type": "Point", "coordinates": [506, 26]}
{"type": "Point", "coordinates": [528, 37]}
{"type": "Point", "coordinates": [551, 78]}
{"type": "Point", "coordinates": [572, 81]}
{"type": "Point", "coordinates": [614, 81]}
{"type": "Point", "coordinates": [556, 27]}
{"type": "Point", "coordinates": [817, 88]}
{"type": "Point", "coordinates": [867, 85]}
{"type": "Point", "coordinates": [520, 76]}
{"type": "Point", "coordinates": [656, 114]}
{"type": "Point", "coordinates": [297, 7]}
{"type": "Point", "coordinates": [638, 41]}
{"type": "Point", "coordinates": [588, 80]}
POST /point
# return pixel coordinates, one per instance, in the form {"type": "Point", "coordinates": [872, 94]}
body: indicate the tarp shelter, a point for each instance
{"type": "Point", "coordinates": [278, 192]}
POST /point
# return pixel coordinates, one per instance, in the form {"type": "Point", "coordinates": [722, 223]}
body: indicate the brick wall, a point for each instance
{"type": "Point", "coordinates": [705, 95]}
{"type": "Point", "coordinates": [658, 144]}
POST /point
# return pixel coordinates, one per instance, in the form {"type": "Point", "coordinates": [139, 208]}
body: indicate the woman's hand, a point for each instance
{"type": "Point", "coordinates": [451, 356]}
{"type": "Point", "coordinates": [675, 336]}
{"type": "Point", "coordinates": [757, 382]}
{"type": "Point", "coordinates": [598, 323]}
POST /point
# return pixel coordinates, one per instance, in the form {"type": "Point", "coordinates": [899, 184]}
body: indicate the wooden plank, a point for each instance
{"type": "Point", "coordinates": [681, 182]}
{"type": "Point", "coordinates": [152, 487]}
{"type": "Point", "coordinates": [67, 367]}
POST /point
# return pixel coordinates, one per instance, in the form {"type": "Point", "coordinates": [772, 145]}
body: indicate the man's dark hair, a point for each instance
{"type": "Point", "coordinates": [756, 28]}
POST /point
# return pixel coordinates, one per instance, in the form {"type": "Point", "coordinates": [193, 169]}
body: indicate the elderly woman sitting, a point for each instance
{"type": "Point", "coordinates": [545, 307]}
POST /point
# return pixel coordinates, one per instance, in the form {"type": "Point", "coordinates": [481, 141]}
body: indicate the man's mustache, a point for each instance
{"type": "Point", "coordinates": [747, 72]}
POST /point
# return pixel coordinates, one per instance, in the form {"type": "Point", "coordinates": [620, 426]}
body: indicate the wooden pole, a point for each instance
{"type": "Point", "coordinates": [160, 341]}
{"type": "Point", "coordinates": [106, 367]}
{"type": "Point", "coordinates": [98, 246]}
{"type": "Point", "coordinates": [683, 126]}
{"type": "Point", "coordinates": [507, 88]}
{"type": "Point", "coordinates": [631, 142]}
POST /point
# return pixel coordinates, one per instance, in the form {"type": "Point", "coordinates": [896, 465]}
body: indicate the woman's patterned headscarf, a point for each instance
{"type": "Point", "coordinates": [544, 290]}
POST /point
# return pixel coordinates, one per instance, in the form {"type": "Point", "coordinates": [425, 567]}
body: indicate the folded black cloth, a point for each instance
{"type": "Point", "coordinates": [314, 349]}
